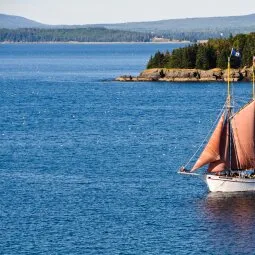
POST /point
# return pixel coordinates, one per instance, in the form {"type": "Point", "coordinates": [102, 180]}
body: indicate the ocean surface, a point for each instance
{"type": "Point", "coordinates": [88, 165]}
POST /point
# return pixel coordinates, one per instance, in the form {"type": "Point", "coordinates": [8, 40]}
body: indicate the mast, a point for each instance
{"type": "Point", "coordinates": [229, 96]}
{"type": "Point", "coordinates": [229, 99]}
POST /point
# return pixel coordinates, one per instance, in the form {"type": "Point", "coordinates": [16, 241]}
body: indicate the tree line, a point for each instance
{"type": "Point", "coordinates": [91, 34]}
{"type": "Point", "coordinates": [100, 34]}
{"type": "Point", "coordinates": [208, 55]}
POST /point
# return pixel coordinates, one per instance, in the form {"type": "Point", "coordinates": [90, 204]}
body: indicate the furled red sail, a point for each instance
{"type": "Point", "coordinates": [243, 128]}
{"type": "Point", "coordinates": [211, 152]}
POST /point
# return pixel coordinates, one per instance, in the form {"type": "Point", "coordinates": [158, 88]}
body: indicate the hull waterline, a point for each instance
{"type": "Point", "coordinates": [229, 184]}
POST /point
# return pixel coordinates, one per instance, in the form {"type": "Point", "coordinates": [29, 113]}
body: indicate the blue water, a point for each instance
{"type": "Point", "coordinates": [88, 165]}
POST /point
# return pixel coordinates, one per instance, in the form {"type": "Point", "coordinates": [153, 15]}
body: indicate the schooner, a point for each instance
{"type": "Point", "coordinates": [230, 151]}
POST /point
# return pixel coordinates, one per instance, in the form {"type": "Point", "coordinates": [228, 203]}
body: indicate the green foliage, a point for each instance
{"type": "Point", "coordinates": [206, 57]}
{"type": "Point", "coordinates": [157, 60]}
{"type": "Point", "coordinates": [209, 55]}
{"type": "Point", "coordinates": [222, 56]}
{"type": "Point", "coordinates": [248, 50]}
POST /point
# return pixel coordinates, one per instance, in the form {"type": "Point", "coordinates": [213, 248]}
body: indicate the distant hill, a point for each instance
{"type": "Point", "coordinates": [12, 22]}
{"type": "Point", "coordinates": [244, 24]}
{"type": "Point", "coordinates": [181, 29]}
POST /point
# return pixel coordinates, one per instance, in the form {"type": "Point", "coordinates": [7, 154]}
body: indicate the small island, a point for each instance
{"type": "Point", "coordinates": [201, 62]}
{"type": "Point", "coordinates": [189, 75]}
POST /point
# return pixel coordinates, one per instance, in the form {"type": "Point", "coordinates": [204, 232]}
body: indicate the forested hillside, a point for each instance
{"type": "Point", "coordinates": [209, 55]}
{"type": "Point", "coordinates": [94, 34]}
{"type": "Point", "coordinates": [67, 35]}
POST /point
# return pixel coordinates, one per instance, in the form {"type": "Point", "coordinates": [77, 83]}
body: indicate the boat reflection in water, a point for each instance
{"type": "Point", "coordinates": [231, 219]}
{"type": "Point", "coordinates": [239, 206]}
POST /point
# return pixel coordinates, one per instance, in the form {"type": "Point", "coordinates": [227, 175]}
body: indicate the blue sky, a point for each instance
{"type": "Point", "coordinates": [116, 11]}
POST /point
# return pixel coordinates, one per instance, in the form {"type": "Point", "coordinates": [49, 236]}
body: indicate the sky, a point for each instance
{"type": "Point", "coordinates": [117, 11]}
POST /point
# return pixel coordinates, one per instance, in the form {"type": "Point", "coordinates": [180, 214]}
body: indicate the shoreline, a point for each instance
{"type": "Point", "coordinates": [188, 75]}
{"type": "Point", "coordinates": [75, 42]}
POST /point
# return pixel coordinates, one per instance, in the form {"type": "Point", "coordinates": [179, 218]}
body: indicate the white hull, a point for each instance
{"type": "Point", "coordinates": [229, 184]}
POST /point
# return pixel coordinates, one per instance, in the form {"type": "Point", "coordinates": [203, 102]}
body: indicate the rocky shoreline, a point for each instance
{"type": "Point", "coordinates": [189, 75]}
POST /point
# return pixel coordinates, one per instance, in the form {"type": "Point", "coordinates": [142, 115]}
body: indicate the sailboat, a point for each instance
{"type": "Point", "coordinates": [230, 152]}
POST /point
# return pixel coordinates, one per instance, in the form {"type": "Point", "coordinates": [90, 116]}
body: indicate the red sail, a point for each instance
{"type": "Point", "coordinates": [211, 152]}
{"type": "Point", "coordinates": [240, 143]}
{"type": "Point", "coordinates": [226, 147]}
{"type": "Point", "coordinates": [243, 127]}
{"type": "Point", "coordinates": [223, 162]}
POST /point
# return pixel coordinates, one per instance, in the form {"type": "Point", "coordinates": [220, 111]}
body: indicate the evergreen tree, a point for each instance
{"type": "Point", "coordinates": [202, 60]}
{"type": "Point", "coordinates": [213, 54]}
{"type": "Point", "coordinates": [248, 50]}
{"type": "Point", "coordinates": [222, 58]}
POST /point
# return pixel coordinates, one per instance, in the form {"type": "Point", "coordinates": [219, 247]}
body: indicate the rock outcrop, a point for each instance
{"type": "Point", "coordinates": [189, 75]}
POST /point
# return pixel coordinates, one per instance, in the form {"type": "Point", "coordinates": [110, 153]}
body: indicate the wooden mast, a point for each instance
{"type": "Point", "coordinates": [229, 95]}
{"type": "Point", "coordinates": [229, 112]}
